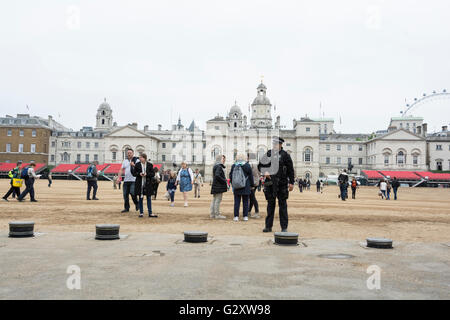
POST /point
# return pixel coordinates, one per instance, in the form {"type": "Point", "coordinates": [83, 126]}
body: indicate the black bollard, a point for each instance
{"type": "Point", "coordinates": [107, 231]}
{"type": "Point", "coordinates": [195, 236]}
{"type": "Point", "coordinates": [286, 238]}
{"type": "Point", "coordinates": [379, 243]}
{"type": "Point", "coordinates": [21, 229]}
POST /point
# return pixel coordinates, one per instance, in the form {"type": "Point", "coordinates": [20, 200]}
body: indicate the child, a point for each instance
{"type": "Point", "coordinates": [171, 187]}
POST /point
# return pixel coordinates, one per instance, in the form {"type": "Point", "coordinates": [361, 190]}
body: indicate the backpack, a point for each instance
{"type": "Point", "coordinates": [354, 184]}
{"type": "Point", "coordinates": [24, 173]}
{"type": "Point", "coordinates": [89, 171]}
{"type": "Point", "coordinates": [238, 178]}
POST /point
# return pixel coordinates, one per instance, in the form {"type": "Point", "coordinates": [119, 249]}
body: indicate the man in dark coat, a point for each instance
{"type": "Point", "coordinates": [277, 168]}
{"type": "Point", "coordinates": [218, 187]}
{"type": "Point", "coordinates": [144, 173]}
{"type": "Point", "coordinates": [395, 184]}
{"type": "Point", "coordinates": [343, 184]}
{"type": "Point", "coordinates": [91, 178]}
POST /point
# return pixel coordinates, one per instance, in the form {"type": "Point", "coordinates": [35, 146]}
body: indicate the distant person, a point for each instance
{"type": "Point", "coordinates": [383, 188]}
{"type": "Point", "coordinates": [318, 185]}
{"type": "Point", "coordinates": [300, 185]}
{"type": "Point", "coordinates": [171, 187]}
{"type": "Point", "coordinates": [129, 181]}
{"type": "Point", "coordinates": [29, 175]}
{"type": "Point", "coordinates": [13, 174]}
{"type": "Point", "coordinates": [354, 186]}
{"type": "Point", "coordinates": [198, 181]}
{"type": "Point", "coordinates": [395, 184]}
{"type": "Point", "coordinates": [50, 179]}
{"type": "Point", "coordinates": [321, 186]}
{"type": "Point", "coordinates": [388, 190]}
{"type": "Point", "coordinates": [343, 184]}
{"type": "Point", "coordinates": [185, 180]}
{"type": "Point", "coordinates": [253, 200]}
{"type": "Point", "coordinates": [143, 171]}
{"type": "Point", "coordinates": [156, 181]}
{"type": "Point", "coordinates": [91, 177]}
{"type": "Point", "coordinates": [308, 184]}
{"type": "Point", "coordinates": [241, 180]}
{"type": "Point", "coordinates": [218, 187]}
{"type": "Point", "coordinates": [115, 178]}
{"type": "Point", "coordinates": [119, 181]}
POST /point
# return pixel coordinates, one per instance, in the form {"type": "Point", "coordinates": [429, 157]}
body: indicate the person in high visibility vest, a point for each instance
{"type": "Point", "coordinates": [13, 174]}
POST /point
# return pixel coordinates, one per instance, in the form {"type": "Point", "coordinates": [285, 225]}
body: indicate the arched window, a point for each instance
{"type": "Point", "coordinates": [401, 158]}
{"type": "Point", "coordinates": [103, 112]}
{"type": "Point", "coordinates": [307, 155]}
{"type": "Point", "coordinates": [215, 152]}
{"type": "Point", "coordinates": [235, 124]}
{"type": "Point", "coordinates": [103, 121]}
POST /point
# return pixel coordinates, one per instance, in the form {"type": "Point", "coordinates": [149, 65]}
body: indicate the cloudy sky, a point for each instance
{"type": "Point", "coordinates": [157, 60]}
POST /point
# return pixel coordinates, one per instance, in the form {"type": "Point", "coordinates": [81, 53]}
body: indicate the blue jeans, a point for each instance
{"type": "Point", "coordinates": [237, 204]}
{"type": "Point", "coordinates": [149, 204]}
{"type": "Point", "coordinates": [29, 184]}
{"type": "Point", "coordinates": [395, 193]}
{"type": "Point", "coordinates": [388, 194]}
{"type": "Point", "coordinates": [343, 192]}
{"type": "Point", "coordinates": [172, 195]}
{"type": "Point", "coordinates": [128, 189]}
{"type": "Point", "coordinates": [383, 192]}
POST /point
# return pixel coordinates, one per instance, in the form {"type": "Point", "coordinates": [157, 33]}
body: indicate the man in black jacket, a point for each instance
{"type": "Point", "coordinates": [395, 184]}
{"type": "Point", "coordinates": [277, 168]}
{"type": "Point", "coordinates": [343, 184]}
{"type": "Point", "coordinates": [91, 178]}
{"type": "Point", "coordinates": [218, 187]}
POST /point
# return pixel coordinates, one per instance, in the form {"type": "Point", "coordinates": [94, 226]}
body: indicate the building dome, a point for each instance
{"type": "Point", "coordinates": [261, 100]}
{"type": "Point", "coordinates": [104, 105]}
{"type": "Point", "coordinates": [235, 109]}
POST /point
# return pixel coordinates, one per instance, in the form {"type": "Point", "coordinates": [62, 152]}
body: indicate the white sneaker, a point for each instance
{"type": "Point", "coordinates": [220, 217]}
{"type": "Point", "coordinates": [172, 204]}
{"type": "Point", "coordinates": [245, 218]}
{"type": "Point", "coordinates": [236, 219]}
{"type": "Point", "coordinates": [185, 204]}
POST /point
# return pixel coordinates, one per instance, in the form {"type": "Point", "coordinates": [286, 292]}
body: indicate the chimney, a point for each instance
{"type": "Point", "coordinates": [424, 129]}
{"type": "Point", "coordinates": [444, 128]}
{"type": "Point", "coordinates": [50, 121]}
{"type": "Point", "coordinates": [134, 125]}
{"type": "Point", "coordinates": [159, 127]}
{"type": "Point", "coordinates": [145, 128]}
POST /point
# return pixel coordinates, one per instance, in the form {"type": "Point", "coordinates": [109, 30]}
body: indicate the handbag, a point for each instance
{"type": "Point", "coordinates": [167, 195]}
{"type": "Point", "coordinates": [17, 182]}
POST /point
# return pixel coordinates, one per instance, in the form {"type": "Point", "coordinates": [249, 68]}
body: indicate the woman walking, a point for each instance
{"type": "Point", "coordinates": [155, 181]}
{"type": "Point", "coordinates": [241, 179]}
{"type": "Point", "coordinates": [171, 187]}
{"type": "Point", "coordinates": [354, 186]}
{"type": "Point", "coordinates": [143, 171]}
{"type": "Point", "coordinates": [185, 179]}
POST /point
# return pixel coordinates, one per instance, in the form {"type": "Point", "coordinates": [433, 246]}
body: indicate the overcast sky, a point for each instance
{"type": "Point", "coordinates": [157, 60]}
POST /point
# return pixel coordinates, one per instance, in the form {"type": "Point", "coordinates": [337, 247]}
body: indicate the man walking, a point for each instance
{"type": "Point", "coordinates": [278, 171]}
{"type": "Point", "coordinates": [128, 181]}
{"type": "Point", "coordinates": [198, 180]}
{"type": "Point", "coordinates": [91, 177]}
{"type": "Point", "coordinates": [219, 187]}
{"type": "Point", "coordinates": [29, 176]}
{"type": "Point", "coordinates": [343, 184]}
{"type": "Point", "coordinates": [395, 184]}
{"type": "Point", "coordinates": [13, 174]}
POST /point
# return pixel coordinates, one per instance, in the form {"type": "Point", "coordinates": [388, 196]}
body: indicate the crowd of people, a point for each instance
{"type": "Point", "coordinates": [139, 179]}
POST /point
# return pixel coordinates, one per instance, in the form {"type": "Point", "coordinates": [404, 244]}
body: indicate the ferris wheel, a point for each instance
{"type": "Point", "coordinates": [426, 98]}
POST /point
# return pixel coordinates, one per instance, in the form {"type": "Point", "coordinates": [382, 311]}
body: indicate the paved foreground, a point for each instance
{"type": "Point", "coordinates": [162, 266]}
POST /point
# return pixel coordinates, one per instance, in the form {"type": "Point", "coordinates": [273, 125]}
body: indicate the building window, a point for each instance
{"type": "Point", "coordinates": [79, 145]}
{"type": "Point", "coordinates": [52, 158]}
{"type": "Point", "coordinates": [338, 160]}
{"type": "Point", "coordinates": [114, 155]}
{"type": "Point", "coordinates": [9, 133]}
{"type": "Point", "coordinates": [204, 145]}
{"type": "Point", "coordinates": [327, 147]}
{"type": "Point", "coordinates": [33, 133]}
{"type": "Point", "coordinates": [216, 128]}
{"type": "Point", "coordinates": [415, 160]}
{"type": "Point", "coordinates": [400, 157]}
{"type": "Point", "coordinates": [20, 147]}
{"type": "Point", "coordinates": [386, 159]}
{"type": "Point", "coordinates": [163, 157]}
{"type": "Point", "coordinates": [86, 158]}
{"type": "Point", "coordinates": [174, 145]}
{"type": "Point", "coordinates": [163, 145]}
{"type": "Point", "coordinates": [193, 158]}
{"type": "Point", "coordinates": [33, 147]}
{"type": "Point", "coordinates": [8, 147]}
{"type": "Point", "coordinates": [174, 157]}
{"type": "Point", "coordinates": [53, 144]}
{"type": "Point", "coordinates": [349, 160]}
{"type": "Point", "coordinates": [360, 161]}
{"type": "Point", "coordinates": [307, 155]}
{"type": "Point", "coordinates": [327, 160]}
{"type": "Point", "coordinates": [21, 133]}
{"type": "Point", "coordinates": [439, 147]}
{"type": "Point", "coordinates": [96, 145]}
{"type": "Point", "coordinates": [308, 129]}
{"type": "Point", "coordinates": [360, 148]}
{"type": "Point", "coordinates": [78, 157]}
{"type": "Point", "coordinates": [349, 147]}
{"type": "Point", "coordinates": [88, 145]}
{"type": "Point", "coordinates": [95, 157]}
{"type": "Point", "coordinates": [338, 147]}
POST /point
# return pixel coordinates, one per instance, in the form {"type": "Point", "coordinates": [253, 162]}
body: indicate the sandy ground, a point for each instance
{"type": "Point", "coordinates": [420, 214]}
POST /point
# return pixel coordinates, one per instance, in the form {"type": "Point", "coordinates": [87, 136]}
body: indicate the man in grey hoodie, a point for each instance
{"type": "Point", "coordinates": [91, 177]}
